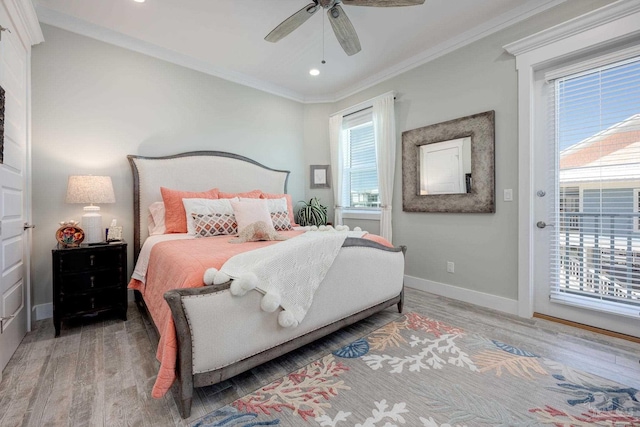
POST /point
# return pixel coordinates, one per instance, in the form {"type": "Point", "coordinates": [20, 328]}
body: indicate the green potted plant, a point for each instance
{"type": "Point", "coordinates": [312, 213]}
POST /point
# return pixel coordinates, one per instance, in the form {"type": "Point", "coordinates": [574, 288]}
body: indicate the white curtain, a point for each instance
{"type": "Point", "coordinates": [335, 136]}
{"type": "Point", "coordinates": [384, 128]}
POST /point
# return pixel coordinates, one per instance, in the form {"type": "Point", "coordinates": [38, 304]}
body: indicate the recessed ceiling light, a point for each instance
{"type": "Point", "coordinates": [139, 1]}
{"type": "Point", "coordinates": [314, 71]}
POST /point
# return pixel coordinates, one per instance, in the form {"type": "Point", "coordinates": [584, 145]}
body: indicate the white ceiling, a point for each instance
{"type": "Point", "coordinates": [225, 38]}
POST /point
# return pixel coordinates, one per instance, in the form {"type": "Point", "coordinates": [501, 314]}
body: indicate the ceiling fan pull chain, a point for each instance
{"type": "Point", "coordinates": [323, 61]}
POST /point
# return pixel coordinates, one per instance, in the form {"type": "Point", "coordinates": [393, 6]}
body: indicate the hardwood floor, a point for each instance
{"type": "Point", "coordinates": [100, 371]}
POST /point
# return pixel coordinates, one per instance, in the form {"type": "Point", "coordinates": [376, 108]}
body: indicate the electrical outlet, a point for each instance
{"type": "Point", "coordinates": [451, 267]}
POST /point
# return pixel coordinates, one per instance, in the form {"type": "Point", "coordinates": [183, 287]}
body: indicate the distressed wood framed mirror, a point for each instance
{"type": "Point", "coordinates": [450, 166]}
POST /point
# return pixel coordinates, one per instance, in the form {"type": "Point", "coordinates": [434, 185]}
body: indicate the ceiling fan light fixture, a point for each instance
{"type": "Point", "coordinates": [342, 26]}
{"type": "Point", "coordinates": [314, 71]}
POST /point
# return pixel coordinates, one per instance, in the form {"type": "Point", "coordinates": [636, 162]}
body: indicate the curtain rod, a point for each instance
{"type": "Point", "coordinates": [362, 105]}
{"type": "Point", "coordinates": [358, 111]}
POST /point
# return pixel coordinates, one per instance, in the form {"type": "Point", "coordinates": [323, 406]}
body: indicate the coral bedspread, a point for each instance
{"type": "Point", "coordinates": [181, 264]}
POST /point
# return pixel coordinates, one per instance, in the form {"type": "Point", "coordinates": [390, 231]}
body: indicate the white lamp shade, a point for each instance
{"type": "Point", "coordinates": [90, 189]}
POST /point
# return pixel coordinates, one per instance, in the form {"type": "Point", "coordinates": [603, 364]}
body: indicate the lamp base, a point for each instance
{"type": "Point", "coordinates": [92, 225]}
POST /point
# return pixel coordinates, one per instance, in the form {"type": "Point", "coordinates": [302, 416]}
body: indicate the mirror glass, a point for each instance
{"type": "Point", "coordinates": [445, 167]}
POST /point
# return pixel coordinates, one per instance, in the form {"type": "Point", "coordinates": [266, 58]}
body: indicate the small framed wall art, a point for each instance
{"type": "Point", "coordinates": [320, 177]}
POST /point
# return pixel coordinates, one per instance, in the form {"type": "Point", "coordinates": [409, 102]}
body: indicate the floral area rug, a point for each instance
{"type": "Point", "coordinates": [420, 372]}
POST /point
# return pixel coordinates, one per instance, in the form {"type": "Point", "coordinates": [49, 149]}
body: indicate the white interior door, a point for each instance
{"type": "Point", "coordinates": [564, 245]}
{"type": "Point", "coordinates": [13, 243]}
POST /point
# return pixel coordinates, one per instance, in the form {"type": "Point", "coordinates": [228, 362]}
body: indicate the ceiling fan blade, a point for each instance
{"type": "Point", "coordinates": [344, 31]}
{"type": "Point", "coordinates": [383, 3]}
{"type": "Point", "coordinates": [292, 22]}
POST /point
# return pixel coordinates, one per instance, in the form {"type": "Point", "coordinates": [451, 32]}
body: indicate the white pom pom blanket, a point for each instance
{"type": "Point", "coordinates": [288, 273]}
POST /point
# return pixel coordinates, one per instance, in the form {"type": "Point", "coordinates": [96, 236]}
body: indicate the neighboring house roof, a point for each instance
{"type": "Point", "coordinates": [610, 155]}
{"type": "Point", "coordinates": [611, 141]}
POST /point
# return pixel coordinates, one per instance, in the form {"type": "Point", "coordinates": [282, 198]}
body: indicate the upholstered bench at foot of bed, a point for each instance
{"type": "Point", "coordinates": [365, 278]}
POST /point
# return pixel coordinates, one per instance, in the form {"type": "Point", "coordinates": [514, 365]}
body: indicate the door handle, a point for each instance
{"type": "Point", "coordinates": [542, 224]}
{"type": "Point", "coordinates": [4, 319]}
{"type": "Point", "coordinates": [27, 226]}
{"type": "Point", "coordinates": [3, 29]}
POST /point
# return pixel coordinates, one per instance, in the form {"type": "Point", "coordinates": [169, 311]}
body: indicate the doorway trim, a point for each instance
{"type": "Point", "coordinates": [614, 23]}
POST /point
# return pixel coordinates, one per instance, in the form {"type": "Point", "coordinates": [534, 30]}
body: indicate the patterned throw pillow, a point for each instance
{"type": "Point", "coordinates": [205, 207]}
{"type": "Point", "coordinates": [281, 221]}
{"type": "Point", "coordinates": [208, 225]}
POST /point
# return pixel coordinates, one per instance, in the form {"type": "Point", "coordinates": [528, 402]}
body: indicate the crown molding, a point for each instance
{"type": "Point", "coordinates": [78, 26]}
{"type": "Point", "coordinates": [596, 18]}
{"type": "Point", "coordinates": [25, 18]}
{"type": "Point", "coordinates": [527, 10]}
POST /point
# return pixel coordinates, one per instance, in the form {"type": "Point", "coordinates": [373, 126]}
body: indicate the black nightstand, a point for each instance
{"type": "Point", "coordinates": [89, 280]}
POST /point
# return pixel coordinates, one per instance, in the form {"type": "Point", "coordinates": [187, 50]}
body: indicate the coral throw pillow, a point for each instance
{"type": "Point", "coordinates": [175, 217]}
{"type": "Point", "coordinates": [253, 194]}
{"type": "Point", "coordinates": [250, 211]}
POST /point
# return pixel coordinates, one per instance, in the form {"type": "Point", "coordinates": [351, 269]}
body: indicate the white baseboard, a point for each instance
{"type": "Point", "coordinates": [42, 311]}
{"type": "Point", "coordinates": [494, 302]}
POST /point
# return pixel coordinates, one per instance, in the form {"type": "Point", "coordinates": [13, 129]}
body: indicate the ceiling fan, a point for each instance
{"type": "Point", "coordinates": [342, 27]}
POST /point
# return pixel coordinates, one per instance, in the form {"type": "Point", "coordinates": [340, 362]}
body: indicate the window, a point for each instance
{"type": "Point", "coordinates": [636, 209]}
{"type": "Point", "coordinates": [595, 133]}
{"type": "Point", "coordinates": [360, 171]}
{"type": "Point", "coordinates": [569, 203]}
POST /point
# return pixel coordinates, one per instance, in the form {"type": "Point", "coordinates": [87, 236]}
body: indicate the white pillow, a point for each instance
{"type": "Point", "coordinates": [248, 211]}
{"type": "Point", "coordinates": [156, 219]}
{"type": "Point", "coordinates": [278, 212]}
{"type": "Point", "coordinates": [274, 205]}
{"type": "Point", "coordinates": [205, 207]}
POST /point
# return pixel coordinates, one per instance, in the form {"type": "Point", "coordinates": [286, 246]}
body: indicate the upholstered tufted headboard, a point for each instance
{"type": "Point", "coordinates": [195, 171]}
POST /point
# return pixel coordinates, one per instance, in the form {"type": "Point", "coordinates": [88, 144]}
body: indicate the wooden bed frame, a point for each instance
{"type": "Point", "coordinates": [186, 379]}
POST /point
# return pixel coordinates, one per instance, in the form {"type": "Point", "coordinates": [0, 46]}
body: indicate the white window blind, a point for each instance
{"type": "Point", "coordinates": [360, 173]}
{"type": "Point", "coordinates": [595, 141]}
{"type": "Point", "coordinates": [636, 209]}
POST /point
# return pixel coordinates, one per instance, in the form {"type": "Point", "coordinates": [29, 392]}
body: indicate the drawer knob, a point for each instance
{"type": "Point", "coordinates": [93, 303]}
{"type": "Point", "coordinates": [92, 280]}
{"type": "Point", "coordinates": [92, 259]}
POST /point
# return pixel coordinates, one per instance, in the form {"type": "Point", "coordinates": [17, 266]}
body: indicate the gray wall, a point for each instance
{"type": "Point", "coordinates": [316, 150]}
{"type": "Point", "coordinates": [94, 103]}
{"type": "Point", "coordinates": [473, 79]}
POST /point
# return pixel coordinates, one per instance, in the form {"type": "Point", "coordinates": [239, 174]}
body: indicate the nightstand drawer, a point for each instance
{"type": "Point", "coordinates": [82, 260]}
{"type": "Point", "coordinates": [73, 283]}
{"type": "Point", "coordinates": [89, 280]}
{"type": "Point", "coordinates": [105, 299]}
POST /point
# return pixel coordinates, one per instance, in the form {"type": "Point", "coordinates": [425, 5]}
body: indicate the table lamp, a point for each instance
{"type": "Point", "coordinates": [91, 189]}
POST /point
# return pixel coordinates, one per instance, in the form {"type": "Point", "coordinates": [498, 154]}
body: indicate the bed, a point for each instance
{"type": "Point", "coordinates": [208, 335]}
